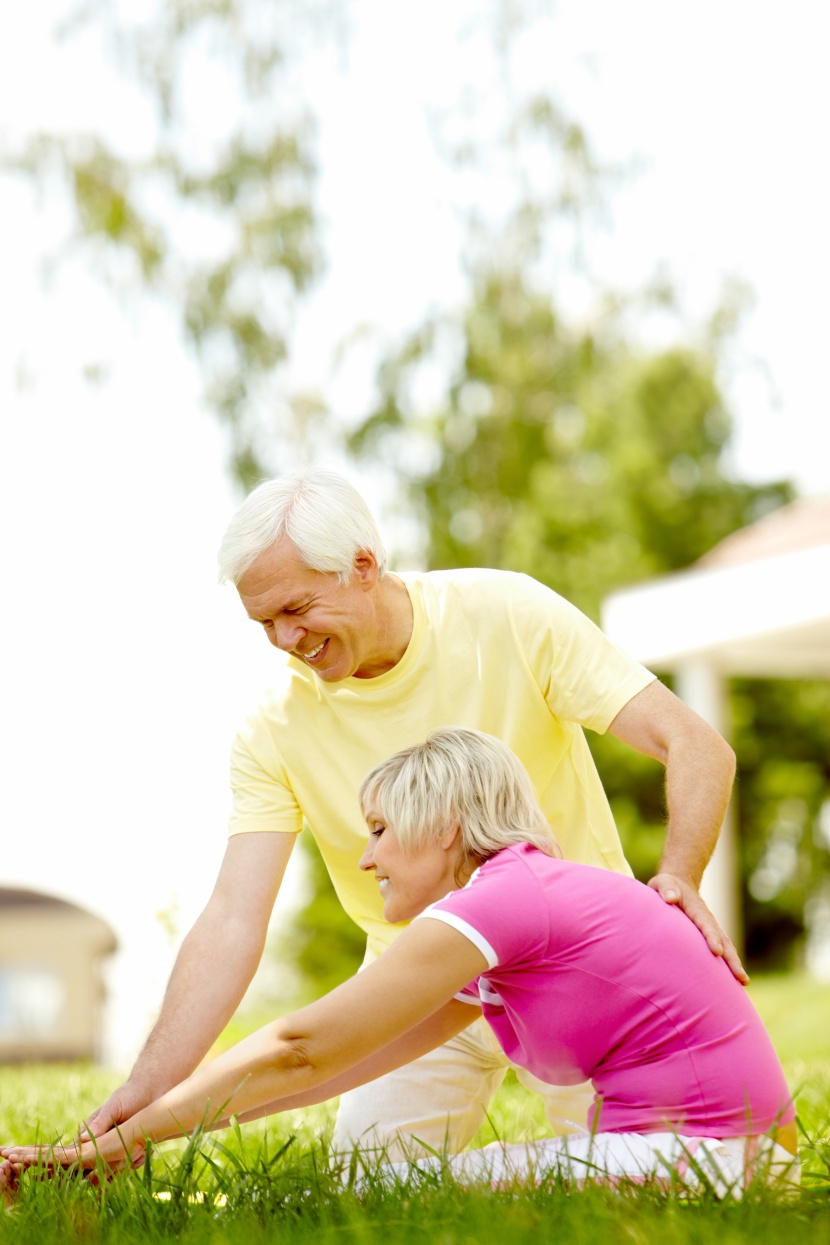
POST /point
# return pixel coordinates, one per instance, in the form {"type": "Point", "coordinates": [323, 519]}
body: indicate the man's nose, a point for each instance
{"type": "Point", "coordinates": [367, 860]}
{"type": "Point", "coordinates": [286, 634]}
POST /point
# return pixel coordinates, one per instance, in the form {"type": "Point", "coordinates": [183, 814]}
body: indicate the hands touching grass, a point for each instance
{"type": "Point", "coordinates": [120, 1147]}
{"type": "Point", "coordinates": [107, 1143]}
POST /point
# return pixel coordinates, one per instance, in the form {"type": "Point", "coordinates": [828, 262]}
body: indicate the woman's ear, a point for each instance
{"type": "Point", "coordinates": [451, 837]}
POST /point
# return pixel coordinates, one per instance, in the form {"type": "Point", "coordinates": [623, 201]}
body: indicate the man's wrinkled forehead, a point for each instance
{"type": "Point", "coordinates": [277, 577]}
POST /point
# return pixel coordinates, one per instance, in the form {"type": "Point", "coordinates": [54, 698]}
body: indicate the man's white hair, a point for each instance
{"type": "Point", "coordinates": [458, 776]}
{"type": "Point", "coordinates": [322, 514]}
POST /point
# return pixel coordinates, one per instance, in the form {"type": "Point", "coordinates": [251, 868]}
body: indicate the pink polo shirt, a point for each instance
{"type": "Point", "coordinates": [593, 977]}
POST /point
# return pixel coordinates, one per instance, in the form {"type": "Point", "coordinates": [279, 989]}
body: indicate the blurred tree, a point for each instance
{"type": "Point", "coordinates": [564, 452]}
{"type": "Point", "coordinates": [782, 737]}
{"type": "Point", "coordinates": [565, 445]}
{"type": "Point", "coordinates": [534, 427]}
{"type": "Point", "coordinates": [591, 463]}
{"type": "Point", "coordinates": [325, 946]}
{"type": "Point", "coordinates": [217, 222]}
{"type": "Point", "coordinates": [569, 454]}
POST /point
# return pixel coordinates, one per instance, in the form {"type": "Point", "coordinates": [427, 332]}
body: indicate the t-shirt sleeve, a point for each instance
{"type": "Point", "coordinates": [262, 795]}
{"type": "Point", "coordinates": [583, 676]}
{"type": "Point", "coordinates": [501, 910]}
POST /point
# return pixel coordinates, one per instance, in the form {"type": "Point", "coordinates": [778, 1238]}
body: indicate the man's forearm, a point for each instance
{"type": "Point", "coordinates": [700, 769]}
{"type": "Point", "coordinates": [212, 972]}
{"type": "Point", "coordinates": [214, 968]}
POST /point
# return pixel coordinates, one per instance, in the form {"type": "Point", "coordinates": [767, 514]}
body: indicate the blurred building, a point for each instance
{"type": "Point", "coordinates": [757, 605]}
{"type": "Point", "coordinates": [51, 986]}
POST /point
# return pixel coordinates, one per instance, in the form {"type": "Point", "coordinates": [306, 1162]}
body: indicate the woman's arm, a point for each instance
{"type": "Point", "coordinates": [288, 1061]}
{"type": "Point", "coordinates": [437, 1029]}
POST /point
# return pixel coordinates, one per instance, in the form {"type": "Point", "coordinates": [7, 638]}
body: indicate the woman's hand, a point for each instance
{"type": "Point", "coordinates": [121, 1147]}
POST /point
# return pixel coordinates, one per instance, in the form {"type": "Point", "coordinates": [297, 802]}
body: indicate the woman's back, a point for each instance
{"type": "Point", "coordinates": [593, 976]}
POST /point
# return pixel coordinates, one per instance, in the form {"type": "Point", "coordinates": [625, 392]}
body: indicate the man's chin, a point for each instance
{"type": "Point", "coordinates": [326, 670]}
{"type": "Point", "coordinates": [332, 675]}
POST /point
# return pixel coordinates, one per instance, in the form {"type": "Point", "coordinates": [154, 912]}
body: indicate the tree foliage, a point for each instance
{"type": "Point", "coordinates": [325, 946]}
{"type": "Point", "coordinates": [564, 452]}
{"type": "Point", "coordinates": [218, 223]}
{"type": "Point", "coordinates": [591, 463]}
{"type": "Point", "coordinates": [530, 429]}
{"type": "Point", "coordinates": [566, 446]}
{"type": "Point", "coordinates": [782, 738]}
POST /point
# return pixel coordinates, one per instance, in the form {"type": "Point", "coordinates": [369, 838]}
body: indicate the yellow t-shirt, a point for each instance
{"type": "Point", "coordinates": [489, 649]}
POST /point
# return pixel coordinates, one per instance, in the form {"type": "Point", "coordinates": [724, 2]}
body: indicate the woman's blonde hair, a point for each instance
{"type": "Point", "coordinates": [459, 776]}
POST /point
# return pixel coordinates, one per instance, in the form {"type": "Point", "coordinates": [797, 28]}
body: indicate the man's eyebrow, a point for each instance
{"type": "Point", "coordinates": [286, 608]}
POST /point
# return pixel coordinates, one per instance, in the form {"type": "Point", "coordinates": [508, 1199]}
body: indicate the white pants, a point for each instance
{"type": "Point", "coordinates": [441, 1100]}
{"type": "Point", "coordinates": [663, 1161]}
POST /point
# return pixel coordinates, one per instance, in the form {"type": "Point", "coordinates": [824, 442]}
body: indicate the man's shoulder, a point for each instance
{"type": "Point", "coordinates": [478, 594]}
{"type": "Point", "coordinates": [482, 587]}
{"type": "Point", "coordinates": [470, 581]}
{"type": "Point", "coordinates": [493, 597]}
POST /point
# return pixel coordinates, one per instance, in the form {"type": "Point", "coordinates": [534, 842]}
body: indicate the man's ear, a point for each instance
{"type": "Point", "coordinates": [366, 568]}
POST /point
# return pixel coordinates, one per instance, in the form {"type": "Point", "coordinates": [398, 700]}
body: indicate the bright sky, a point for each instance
{"type": "Point", "coordinates": [124, 667]}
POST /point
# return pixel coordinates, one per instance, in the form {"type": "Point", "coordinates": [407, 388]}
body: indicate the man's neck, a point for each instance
{"type": "Point", "coordinates": [395, 619]}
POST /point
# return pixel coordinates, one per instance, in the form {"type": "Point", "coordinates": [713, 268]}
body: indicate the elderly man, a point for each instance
{"type": "Point", "coordinates": [374, 661]}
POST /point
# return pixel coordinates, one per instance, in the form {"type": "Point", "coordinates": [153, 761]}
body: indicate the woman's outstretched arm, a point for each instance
{"type": "Point", "coordinates": [397, 1008]}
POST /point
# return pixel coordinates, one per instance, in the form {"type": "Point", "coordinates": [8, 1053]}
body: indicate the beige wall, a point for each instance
{"type": "Point", "coordinates": [51, 991]}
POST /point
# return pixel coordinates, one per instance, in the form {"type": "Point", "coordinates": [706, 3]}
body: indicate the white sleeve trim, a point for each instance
{"type": "Point", "coordinates": [477, 939]}
{"type": "Point", "coordinates": [467, 998]}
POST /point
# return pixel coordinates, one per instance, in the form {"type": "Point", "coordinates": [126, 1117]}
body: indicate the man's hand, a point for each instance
{"type": "Point", "coordinates": [106, 1139]}
{"type": "Point", "coordinates": [121, 1104]}
{"type": "Point", "coordinates": [675, 890]}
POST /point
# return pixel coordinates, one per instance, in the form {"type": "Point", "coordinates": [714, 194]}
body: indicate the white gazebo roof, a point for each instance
{"type": "Point", "coordinates": [757, 604]}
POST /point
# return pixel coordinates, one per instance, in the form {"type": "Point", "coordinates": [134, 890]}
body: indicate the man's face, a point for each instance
{"type": "Point", "coordinates": [329, 626]}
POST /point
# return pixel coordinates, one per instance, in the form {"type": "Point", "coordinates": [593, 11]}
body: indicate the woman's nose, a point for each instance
{"type": "Point", "coordinates": [367, 860]}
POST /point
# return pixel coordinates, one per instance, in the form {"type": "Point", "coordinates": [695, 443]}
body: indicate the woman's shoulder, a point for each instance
{"type": "Point", "coordinates": [512, 881]}
{"type": "Point", "coordinates": [519, 859]}
{"type": "Point", "coordinates": [505, 903]}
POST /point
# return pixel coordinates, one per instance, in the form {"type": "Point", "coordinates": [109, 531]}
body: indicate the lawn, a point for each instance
{"type": "Point", "coordinates": [271, 1181]}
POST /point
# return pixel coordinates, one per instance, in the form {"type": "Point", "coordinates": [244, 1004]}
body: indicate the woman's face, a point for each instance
{"type": "Point", "coordinates": [409, 882]}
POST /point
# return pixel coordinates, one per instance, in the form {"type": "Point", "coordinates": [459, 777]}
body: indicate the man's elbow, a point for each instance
{"type": "Point", "coordinates": [699, 745]}
{"type": "Point", "coordinates": [726, 756]}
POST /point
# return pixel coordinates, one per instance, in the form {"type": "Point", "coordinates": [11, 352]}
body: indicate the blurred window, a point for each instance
{"type": "Point", "coordinates": [31, 1002]}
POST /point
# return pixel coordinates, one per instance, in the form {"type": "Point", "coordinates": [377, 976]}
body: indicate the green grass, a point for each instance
{"type": "Point", "coordinates": [796, 1010]}
{"type": "Point", "coordinates": [271, 1182]}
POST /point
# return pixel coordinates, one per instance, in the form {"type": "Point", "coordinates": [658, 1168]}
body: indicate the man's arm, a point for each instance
{"type": "Point", "coordinates": [700, 768]}
{"type": "Point", "coordinates": [213, 970]}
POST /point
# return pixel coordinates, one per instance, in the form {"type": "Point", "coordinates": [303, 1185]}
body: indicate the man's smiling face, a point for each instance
{"type": "Point", "coordinates": [328, 625]}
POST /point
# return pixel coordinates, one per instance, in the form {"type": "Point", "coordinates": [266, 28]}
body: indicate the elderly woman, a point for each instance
{"type": "Point", "coordinates": [581, 973]}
